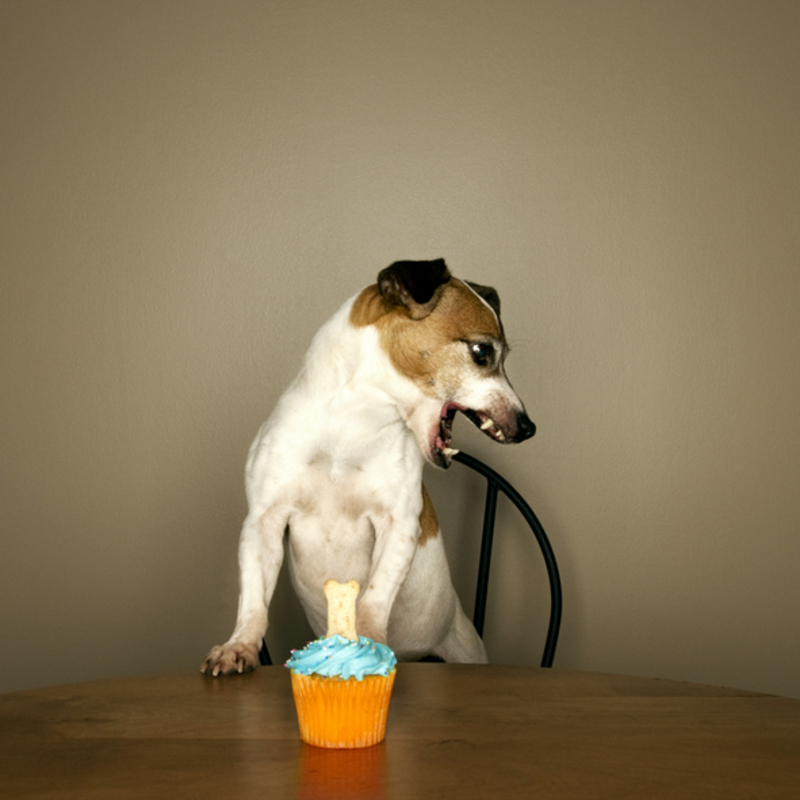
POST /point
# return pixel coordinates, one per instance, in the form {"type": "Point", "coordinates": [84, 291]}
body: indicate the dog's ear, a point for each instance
{"type": "Point", "coordinates": [415, 285]}
{"type": "Point", "coordinates": [488, 294]}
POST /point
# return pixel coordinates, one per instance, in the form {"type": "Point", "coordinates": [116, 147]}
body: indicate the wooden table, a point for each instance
{"type": "Point", "coordinates": [454, 731]}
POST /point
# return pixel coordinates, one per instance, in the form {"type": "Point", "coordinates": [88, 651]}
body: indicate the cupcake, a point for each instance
{"type": "Point", "coordinates": [342, 683]}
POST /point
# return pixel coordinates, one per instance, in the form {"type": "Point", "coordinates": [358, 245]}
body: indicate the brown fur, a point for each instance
{"type": "Point", "coordinates": [419, 348]}
{"type": "Point", "coordinates": [428, 522]}
{"type": "Point", "coordinates": [369, 306]}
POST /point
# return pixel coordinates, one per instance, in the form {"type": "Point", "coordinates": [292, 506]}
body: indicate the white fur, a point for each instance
{"type": "Point", "coordinates": [339, 464]}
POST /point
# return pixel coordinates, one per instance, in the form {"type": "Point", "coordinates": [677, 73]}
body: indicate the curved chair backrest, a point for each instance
{"type": "Point", "coordinates": [497, 483]}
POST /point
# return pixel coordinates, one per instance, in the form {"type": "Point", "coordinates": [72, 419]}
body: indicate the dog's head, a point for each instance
{"type": "Point", "coordinates": [445, 335]}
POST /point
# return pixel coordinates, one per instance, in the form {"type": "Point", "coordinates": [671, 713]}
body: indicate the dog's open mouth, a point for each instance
{"type": "Point", "coordinates": [443, 449]}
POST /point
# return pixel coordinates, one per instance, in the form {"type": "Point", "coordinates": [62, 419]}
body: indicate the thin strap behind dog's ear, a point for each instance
{"type": "Point", "coordinates": [488, 294]}
{"type": "Point", "coordinates": [415, 285]}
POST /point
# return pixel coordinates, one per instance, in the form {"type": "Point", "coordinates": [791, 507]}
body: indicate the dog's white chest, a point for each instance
{"type": "Point", "coordinates": [333, 492]}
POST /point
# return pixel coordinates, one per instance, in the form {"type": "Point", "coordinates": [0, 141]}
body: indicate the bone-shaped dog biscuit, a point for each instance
{"type": "Point", "coordinates": [342, 607]}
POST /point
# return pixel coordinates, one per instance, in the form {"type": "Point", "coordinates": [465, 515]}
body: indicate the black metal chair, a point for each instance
{"type": "Point", "coordinates": [496, 483]}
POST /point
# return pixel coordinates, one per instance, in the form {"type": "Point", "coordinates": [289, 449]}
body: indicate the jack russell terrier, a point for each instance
{"type": "Point", "coordinates": [338, 465]}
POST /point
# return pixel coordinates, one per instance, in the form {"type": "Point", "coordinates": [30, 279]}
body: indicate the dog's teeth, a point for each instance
{"type": "Point", "coordinates": [450, 451]}
{"type": "Point", "coordinates": [489, 425]}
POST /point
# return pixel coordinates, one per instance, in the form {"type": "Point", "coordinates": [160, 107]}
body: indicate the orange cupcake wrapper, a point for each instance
{"type": "Point", "coordinates": [342, 713]}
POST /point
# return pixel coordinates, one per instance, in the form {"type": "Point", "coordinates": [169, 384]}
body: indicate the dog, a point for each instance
{"type": "Point", "coordinates": [337, 468]}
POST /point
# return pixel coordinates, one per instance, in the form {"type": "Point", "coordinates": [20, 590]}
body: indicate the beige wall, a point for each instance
{"type": "Point", "coordinates": [189, 189]}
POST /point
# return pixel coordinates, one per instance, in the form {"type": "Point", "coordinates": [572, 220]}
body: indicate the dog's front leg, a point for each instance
{"type": "Point", "coordinates": [260, 558]}
{"type": "Point", "coordinates": [395, 544]}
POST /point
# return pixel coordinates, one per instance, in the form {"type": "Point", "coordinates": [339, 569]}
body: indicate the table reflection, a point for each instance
{"type": "Point", "coordinates": [357, 774]}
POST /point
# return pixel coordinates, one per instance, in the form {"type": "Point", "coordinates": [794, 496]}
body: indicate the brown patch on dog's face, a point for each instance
{"type": "Point", "coordinates": [431, 351]}
{"type": "Point", "coordinates": [428, 523]}
{"type": "Point", "coordinates": [368, 307]}
{"type": "Point", "coordinates": [454, 352]}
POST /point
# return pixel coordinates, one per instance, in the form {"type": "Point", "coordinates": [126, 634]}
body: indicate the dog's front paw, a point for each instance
{"type": "Point", "coordinates": [230, 659]}
{"type": "Point", "coordinates": [368, 625]}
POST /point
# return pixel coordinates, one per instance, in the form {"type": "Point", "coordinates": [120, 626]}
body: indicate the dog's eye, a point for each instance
{"type": "Point", "coordinates": [482, 353]}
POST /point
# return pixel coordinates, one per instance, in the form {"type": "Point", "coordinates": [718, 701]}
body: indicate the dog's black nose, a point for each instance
{"type": "Point", "coordinates": [525, 427]}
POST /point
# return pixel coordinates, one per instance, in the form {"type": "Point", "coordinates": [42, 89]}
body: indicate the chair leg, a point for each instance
{"type": "Point", "coordinates": [490, 510]}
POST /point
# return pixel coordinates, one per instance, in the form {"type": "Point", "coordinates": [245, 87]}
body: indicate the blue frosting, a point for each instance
{"type": "Point", "coordinates": [334, 656]}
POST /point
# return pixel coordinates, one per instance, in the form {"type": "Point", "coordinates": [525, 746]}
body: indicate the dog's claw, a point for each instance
{"type": "Point", "coordinates": [230, 659]}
